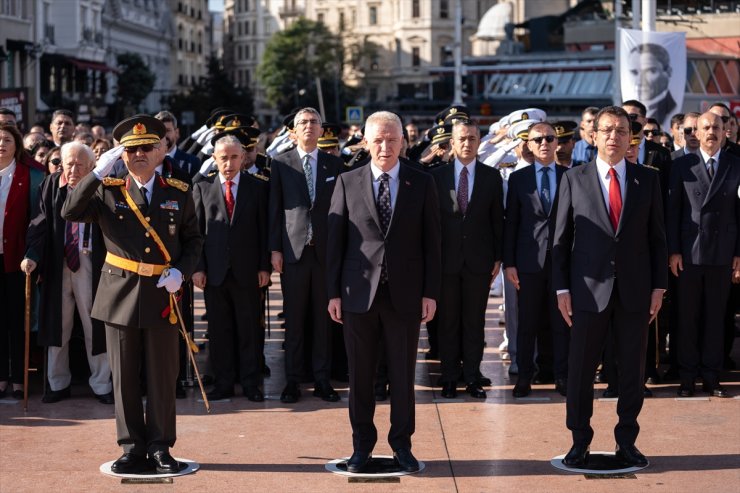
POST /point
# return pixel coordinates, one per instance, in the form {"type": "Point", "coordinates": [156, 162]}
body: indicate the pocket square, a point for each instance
{"type": "Point", "coordinates": [331, 178]}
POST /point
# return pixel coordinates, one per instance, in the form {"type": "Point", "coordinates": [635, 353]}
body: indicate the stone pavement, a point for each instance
{"type": "Point", "coordinates": [498, 445]}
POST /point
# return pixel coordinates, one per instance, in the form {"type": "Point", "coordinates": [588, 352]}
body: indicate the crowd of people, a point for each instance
{"type": "Point", "coordinates": [614, 243]}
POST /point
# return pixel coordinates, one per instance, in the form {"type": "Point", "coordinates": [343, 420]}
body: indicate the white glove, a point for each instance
{"type": "Point", "coordinates": [171, 280]}
{"type": "Point", "coordinates": [206, 136]}
{"type": "Point", "coordinates": [207, 149]}
{"type": "Point", "coordinates": [106, 162]}
{"type": "Point", "coordinates": [206, 167]}
{"type": "Point", "coordinates": [199, 132]}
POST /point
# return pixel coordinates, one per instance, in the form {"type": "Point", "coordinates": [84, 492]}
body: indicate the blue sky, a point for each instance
{"type": "Point", "coordinates": [216, 5]}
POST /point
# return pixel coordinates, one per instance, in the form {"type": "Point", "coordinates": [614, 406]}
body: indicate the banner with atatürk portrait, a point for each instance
{"type": "Point", "coordinates": [652, 70]}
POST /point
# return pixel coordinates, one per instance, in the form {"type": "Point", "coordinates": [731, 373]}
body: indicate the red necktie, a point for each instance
{"type": "Point", "coordinates": [229, 199]}
{"type": "Point", "coordinates": [615, 198]}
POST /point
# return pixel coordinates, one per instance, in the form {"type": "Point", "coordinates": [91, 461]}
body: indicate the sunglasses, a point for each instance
{"type": "Point", "coordinates": [548, 138]}
{"type": "Point", "coordinates": [649, 132]}
{"type": "Point", "coordinates": [56, 161]}
{"type": "Point", "coordinates": [688, 130]}
{"type": "Point", "coordinates": [633, 116]}
{"type": "Point", "coordinates": [143, 147]}
{"type": "Point", "coordinates": [725, 119]}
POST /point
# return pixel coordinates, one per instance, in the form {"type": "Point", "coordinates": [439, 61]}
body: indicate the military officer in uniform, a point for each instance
{"type": "Point", "coordinates": [153, 242]}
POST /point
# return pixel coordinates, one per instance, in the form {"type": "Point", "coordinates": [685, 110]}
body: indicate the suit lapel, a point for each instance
{"type": "Point", "coordinates": [449, 184]}
{"type": "Point", "coordinates": [593, 183]}
{"type": "Point", "coordinates": [534, 192]}
{"type": "Point", "coordinates": [241, 196]}
{"type": "Point", "coordinates": [719, 177]}
{"type": "Point", "coordinates": [404, 186]}
{"type": "Point", "coordinates": [632, 184]}
{"type": "Point", "coordinates": [365, 180]}
{"type": "Point", "coordinates": [217, 196]}
{"type": "Point", "coordinates": [322, 173]}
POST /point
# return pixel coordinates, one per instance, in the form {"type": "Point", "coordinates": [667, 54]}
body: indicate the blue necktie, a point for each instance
{"type": "Point", "coordinates": [545, 189]}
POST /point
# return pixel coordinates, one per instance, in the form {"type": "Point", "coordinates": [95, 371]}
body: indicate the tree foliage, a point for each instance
{"type": "Point", "coordinates": [292, 61]}
{"type": "Point", "coordinates": [216, 90]}
{"type": "Point", "coordinates": [135, 80]}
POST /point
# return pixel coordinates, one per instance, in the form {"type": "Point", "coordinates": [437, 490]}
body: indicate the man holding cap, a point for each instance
{"type": "Point", "coordinates": [153, 241]}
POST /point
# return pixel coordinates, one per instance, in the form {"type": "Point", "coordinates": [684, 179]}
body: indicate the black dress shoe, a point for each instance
{"type": "Point", "coordinates": [610, 393]}
{"type": "Point", "coordinates": [449, 390]}
{"type": "Point", "coordinates": [406, 460]}
{"type": "Point", "coordinates": [219, 395]}
{"type": "Point", "coordinates": [266, 370]}
{"type": "Point", "coordinates": [577, 456]}
{"type": "Point", "coordinates": [522, 389]}
{"type": "Point", "coordinates": [686, 390]}
{"type": "Point", "coordinates": [475, 391]}
{"type": "Point", "coordinates": [164, 462]}
{"type": "Point", "coordinates": [715, 390]}
{"type": "Point", "coordinates": [358, 462]}
{"type": "Point", "coordinates": [254, 394]}
{"type": "Point", "coordinates": [291, 393]}
{"type": "Point", "coordinates": [543, 378]}
{"type": "Point", "coordinates": [381, 392]}
{"type": "Point", "coordinates": [52, 396]}
{"type": "Point", "coordinates": [646, 392]}
{"type": "Point", "coordinates": [482, 381]}
{"type": "Point", "coordinates": [130, 463]}
{"type": "Point", "coordinates": [105, 398]}
{"type": "Point", "coordinates": [629, 455]}
{"type": "Point", "coordinates": [561, 385]}
{"type": "Point", "coordinates": [324, 390]}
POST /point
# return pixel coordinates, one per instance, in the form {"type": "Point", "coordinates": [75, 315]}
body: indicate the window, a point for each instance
{"type": "Point", "coordinates": [320, 17]}
{"type": "Point", "coordinates": [373, 14]}
{"type": "Point", "coordinates": [444, 9]}
{"type": "Point", "coordinates": [415, 9]}
{"type": "Point", "coordinates": [415, 56]}
{"type": "Point", "coordinates": [341, 21]}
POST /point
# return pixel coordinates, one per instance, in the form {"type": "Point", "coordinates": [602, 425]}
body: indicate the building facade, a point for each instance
{"type": "Point", "coordinates": [18, 59]}
{"type": "Point", "coordinates": [192, 42]}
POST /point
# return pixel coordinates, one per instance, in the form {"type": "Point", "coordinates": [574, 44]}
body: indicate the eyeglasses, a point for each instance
{"type": "Point", "coordinates": [688, 130]}
{"type": "Point", "coordinates": [650, 131]}
{"type": "Point", "coordinates": [56, 161]}
{"type": "Point", "coordinates": [548, 138]}
{"type": "Point", "coordinates": [622, 132]}
{"type": "Point", "coordinates": [304, 123]}
{"type": "Point", "coordinates": [143, 147]}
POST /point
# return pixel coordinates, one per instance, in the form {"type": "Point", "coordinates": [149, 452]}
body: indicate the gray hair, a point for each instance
{"type": "Point", "coordinates": [306, 110]}
{"type": "Point", "coordinates": [383, 117]}
{"type": "Point", "coordinates": [74, 146]}
{"type": "Point", "coordinates": [227, 140]}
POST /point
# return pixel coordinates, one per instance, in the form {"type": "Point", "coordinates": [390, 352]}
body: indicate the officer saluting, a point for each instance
{"type": "Point", "coordinates": [152, 238]}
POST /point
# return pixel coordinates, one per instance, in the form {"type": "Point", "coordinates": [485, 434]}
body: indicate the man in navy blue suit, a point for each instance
{"type": "Point", "coordinates": [189, 163]}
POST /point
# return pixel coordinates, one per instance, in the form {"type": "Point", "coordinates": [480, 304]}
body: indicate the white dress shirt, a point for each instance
{"type": "Point", "coordinates": [605, 178]}
{"type": "Point", "coordinates": [706, 158]}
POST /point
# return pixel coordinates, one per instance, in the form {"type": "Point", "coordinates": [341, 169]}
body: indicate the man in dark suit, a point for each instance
{"type": "Point", "coordinates": [232, 215]}
{"type": "Point", "coordinates": [188, 163]}
{"type": "Point", "coordinates": [650, 153]}
{"type": "Point", "coordinates": [301, 184]}
{"type": "Point", "coordinates": [69, 257]}
{"type": "Point", "coordinates": [471, 210]}
{"type": "Point", "coordinates": [531, 208]}
{"type": "Point", "coordinates": [691, 142]}
{"type": "Point", "coordinates": [609, 270]}
{"type": "Point", "coordinates": [152, 239]}
{"type": "Point", "coordinates": [383, 272]}
{"type": "Point", "coordinates": [703, 222]}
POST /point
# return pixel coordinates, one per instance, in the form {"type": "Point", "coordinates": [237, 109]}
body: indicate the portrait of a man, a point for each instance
{"type": "Point", "coordinates": [649, 68]}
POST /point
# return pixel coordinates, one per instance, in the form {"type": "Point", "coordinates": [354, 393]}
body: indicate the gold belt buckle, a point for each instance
{"type": "Point", "coordinates": [145, 269]}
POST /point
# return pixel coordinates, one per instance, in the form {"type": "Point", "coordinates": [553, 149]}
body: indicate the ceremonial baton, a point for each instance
{"type": "Point", "coordinates": [189, 344]}
{"type": "Point", "coordinates": [27, 347]}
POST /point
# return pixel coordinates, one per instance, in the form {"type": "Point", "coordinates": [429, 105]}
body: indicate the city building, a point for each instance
{"type": "Point", "coordinates": [18, 59]}
{"type": "Point", "coordinates": [192, 43]}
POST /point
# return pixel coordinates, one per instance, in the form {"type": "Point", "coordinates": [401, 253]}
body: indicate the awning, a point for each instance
{"type": "Point", "coordinates": [90, 65]}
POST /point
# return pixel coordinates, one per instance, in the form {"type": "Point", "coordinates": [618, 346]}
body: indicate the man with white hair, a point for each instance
{"type": "Point", "coordinates": [383, 276]}
{"type": "Point", "coordinates": [69, 257]}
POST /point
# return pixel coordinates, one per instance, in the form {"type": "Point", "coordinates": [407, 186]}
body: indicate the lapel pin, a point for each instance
{"type": "Point", "coordinates": [637, 181]}
{"type": "Point", "coordinates": [408, 183]}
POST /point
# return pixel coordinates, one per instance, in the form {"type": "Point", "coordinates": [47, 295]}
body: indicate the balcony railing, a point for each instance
{"type": "Point", "coordinates": [49, 33]}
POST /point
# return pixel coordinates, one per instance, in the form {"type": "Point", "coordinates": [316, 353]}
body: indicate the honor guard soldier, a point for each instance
{"type": "Point", "coordinates": [565, 131]}
{"type": "Point", "coordinates": [153, 242]}
{"type": "Point", "coordinates": [329, 140]}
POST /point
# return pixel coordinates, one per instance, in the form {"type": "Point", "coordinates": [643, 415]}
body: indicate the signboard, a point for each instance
{"type": "Point", "coordinates": [354, 114]}
{"type": "Point", "coordinates": [15, 100]}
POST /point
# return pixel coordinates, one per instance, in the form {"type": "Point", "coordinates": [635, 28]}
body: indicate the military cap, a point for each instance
{"type": "Point", "coordinates": [439, 134]}
{"type": "Point", "coordinates": [216, 114]}
{"type": "Point", "coordinates": [138, 130]}
{"type": "Point", "coordinates": [520, 130]}
{"type": "Point", "coordinates": [289, 120]}
{"type": "Point", "coordinates": [246, 135]}
{"type": "Point", "coordinates": [235, 120]}
{"type": "Point", "coordinates": [526, 114]}
{"type": "Point", "coordinates": [565, 128]}
{"type": "Point", "coordinates": [635, 132]}
{"type": "Point", "coordinates": [457, 110]}
{"type": "Point", "coordinates": [330, 137]}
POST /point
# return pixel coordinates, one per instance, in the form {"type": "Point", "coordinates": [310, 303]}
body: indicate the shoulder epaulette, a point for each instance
{"type": "Point", "coordinates": [109, 181]}
{"type": "Point", "coordinates": [651, 167]}
{"type": "Point", "coordinates": [212, 173]}
{"type": "Point", "coordinates": [174, 182]}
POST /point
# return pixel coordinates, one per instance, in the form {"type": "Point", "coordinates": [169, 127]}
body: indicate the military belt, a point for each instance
{"type": "Point", "coordinates": [140, 268]}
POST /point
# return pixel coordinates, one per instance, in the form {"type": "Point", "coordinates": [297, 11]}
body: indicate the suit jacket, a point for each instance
{"type": "Point", "coordinates": [411, 247]}
{"type": "Point", "coordinates": [677, 154]}
{"type": "Point", "coordinates": [587, 253]}
{"type": "Point", "coordinates": [659, 158]}
{"type": "Point", "coordinates": [123, 297]}
{"type": "Point", "coordinates": [474, 240]}
{"type": "Point", "coordinates": [529, 231]}
{"type": "Point", "coordinates": [239, 244]}
{"type": "Point", "coordinates": [188, 163]}
{"type": "Point", "coordinates": [704, 216]}
{"type": "Point", "coordinates": [20, 207]}
{"type": "Point", "coordinates": [45, 246]}
{"type": "Point", "coordinates": [290, 208]}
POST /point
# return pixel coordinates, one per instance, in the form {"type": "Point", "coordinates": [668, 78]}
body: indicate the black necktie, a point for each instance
{"type": "Point", "coordinates": [144, 191]}
{"type": "Point", "coordinates": [385, 212]}
{"type": "Point", "coordinates": [710, 168]}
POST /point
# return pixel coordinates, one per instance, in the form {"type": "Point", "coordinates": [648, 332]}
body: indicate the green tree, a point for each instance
{"type": "Point", "coordinates": [135, 82]}
{"type": "Point", "coordinates": [292, 61]}
{"type": "Point", "coordinates": [216, 90]}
